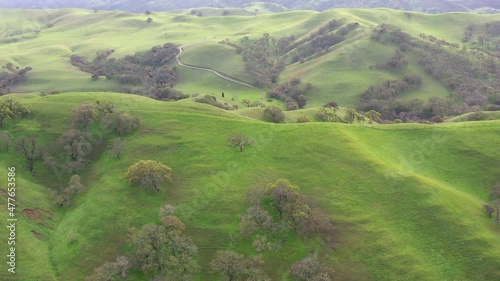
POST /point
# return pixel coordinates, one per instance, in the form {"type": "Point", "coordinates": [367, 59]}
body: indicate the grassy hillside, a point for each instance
{"type": "Point", "coordinates": [406, 199]}
{"type": "Point", "coordinates": [45, 40]}
{"type": "Point", "coordinates": [218, 57]}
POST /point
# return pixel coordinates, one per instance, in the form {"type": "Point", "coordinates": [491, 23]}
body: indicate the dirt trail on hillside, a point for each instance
{"type": "Point", "coordinates": [223, 76]}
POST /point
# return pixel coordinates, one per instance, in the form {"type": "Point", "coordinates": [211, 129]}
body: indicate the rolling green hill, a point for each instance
{"type": "Point", "coordinates": [406, 199]}
{"type": "Point", "coordinates": [342, 74]}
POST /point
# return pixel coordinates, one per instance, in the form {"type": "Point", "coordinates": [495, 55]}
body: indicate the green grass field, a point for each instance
{"type": "Point", "coordinates": [406, 199]}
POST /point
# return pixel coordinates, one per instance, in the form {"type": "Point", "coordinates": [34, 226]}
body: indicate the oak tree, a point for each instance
{"type": "Point", "coordinates": [121, 123]}
{"type": "Point", "coordinates": [156, 248]}
{"type": "Point", "coordinates": [11, 108]}
{"type": "Point", "coordinates": [239, 140]}
{"type": "Point", "coordinates": [148, 174]}
{"type": "Point", "coordinates": [274, 114]}
{"type": "Point", "coordinates": [83, 115]}
{"type": "Point", "coordinates": [234, 266]}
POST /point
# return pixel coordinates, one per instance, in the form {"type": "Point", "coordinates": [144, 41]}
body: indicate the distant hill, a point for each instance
{"type": "Point", "coordinates": [429, 6]}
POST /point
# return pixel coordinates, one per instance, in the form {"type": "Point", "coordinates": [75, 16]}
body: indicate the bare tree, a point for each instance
{"type": "Point", "coordinates": [246, 102]}
{"type": "Point", "coordinates": [110, 270]}
{"type": "Point", "coordinates": [31, 150]}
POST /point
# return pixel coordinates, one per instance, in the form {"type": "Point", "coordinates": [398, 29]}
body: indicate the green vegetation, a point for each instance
{"type": "Point", "coordinates": [218, 57]}
{"type": "Point", "coordinates": [148, 174]}
{"type": "Point", "coordinates": [337, 70]}
{"type": "Point", "coordinates": [410, 174]}
{"type": "Point", "coordinates": [305, 183]}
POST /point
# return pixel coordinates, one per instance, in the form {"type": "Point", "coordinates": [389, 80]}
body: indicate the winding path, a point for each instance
{"type": "Point", "coordinates": [210, 70]}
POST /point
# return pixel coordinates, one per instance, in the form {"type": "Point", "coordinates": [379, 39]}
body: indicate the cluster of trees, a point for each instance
{"type": "Point", "coordinates": [263, 60]}
{"type": "Point", "coordinates": [145, 73]}
{"type": "Point", "coordinates": [111, 270]}
{"type": "Point", "coordinates": [294, 214]}
{"type": "Point", "coordinates": [328, 113]}
{"type": "Point", "coordinates": [311, 269]}
{"type": "Point", "coordinates": [265, 57]}
{"type": "Point", "coordinates": [395, 63]}
{"type": "Point", "coordinates": [292, 93]}
{"type": "Point", "coordinates": [155, 248]}
{"type": "Point", "coordinates": [70, 153]}
{"type": "Point", "coordinates": [250, 103]}
{"type": "Point", "coordinates": [168, 94]}
{"type": "Point", "coordinates": [65, 198]}
{"type": "Point", "coordinates": [120, 123]}
{"type": "Point", "coordinates": [273, 212]}
{"type": "Point", "coordinates": [164, 249]}
{"type": "Point", "coordinates": [323, 30]}
{"type": "Point", "coordinates": [11, 108]}
{"type": "Point", "coordinates": [472, 77]}
{"type": "Point", "coordinates": [484, 37]}
{"type": "Point", "coordinates": [319, 42]}
{"type": "Point", "coordinates": [274, 114]}
{"type": "Point", "coordinates": [437, 41]}
{"type": "Point", "coordinates": [11, 75]}
{"type": "Point", "coordinates": [469, 32]}
{"type": "Point", "coordinates": [233, 266]}
{"type": "Point", "coordinates": [492, 28]}
{"type": "Point", "coordinates": [383, 98]}
{"type": "Point", "coordinates": [388, 91]}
